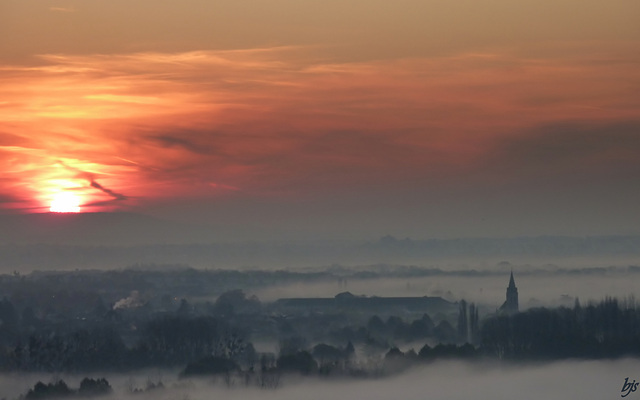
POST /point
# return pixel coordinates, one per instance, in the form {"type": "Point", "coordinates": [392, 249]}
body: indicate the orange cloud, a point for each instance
{"type": "Point", "coordinates": [124, 129]}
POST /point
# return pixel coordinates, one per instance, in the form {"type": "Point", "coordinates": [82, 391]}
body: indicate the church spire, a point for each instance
{"type": "Point", "coordinates": [510, 306]}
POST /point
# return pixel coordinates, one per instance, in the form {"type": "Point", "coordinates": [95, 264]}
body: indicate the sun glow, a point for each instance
{"type": "Point", "coordinates": [65, 202]}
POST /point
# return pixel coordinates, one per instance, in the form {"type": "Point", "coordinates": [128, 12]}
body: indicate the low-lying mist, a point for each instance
{"type": "Point", "coordinates": [535, 290]}
{"type": "Point", "coordinates": [452, 380]}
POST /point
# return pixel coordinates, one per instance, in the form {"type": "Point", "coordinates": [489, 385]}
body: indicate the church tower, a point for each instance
{"type": "Point", "coordinates": [510, 306]}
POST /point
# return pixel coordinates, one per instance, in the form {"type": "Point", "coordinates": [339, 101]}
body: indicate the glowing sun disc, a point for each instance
{"type": "Point", "coordinates": [65, 202]}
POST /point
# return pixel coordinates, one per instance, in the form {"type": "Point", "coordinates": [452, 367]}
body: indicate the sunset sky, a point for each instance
{"type": "Point", "coordinates": [351, 118]}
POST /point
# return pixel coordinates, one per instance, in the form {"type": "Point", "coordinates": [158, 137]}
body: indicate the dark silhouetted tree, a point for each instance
{"type": "Point", "coordinates": [58, 389]}
{"type": "Point", "coordinates": [210, 366]}
{"type": "Point", "coordinates": [94, 387]}
{"type": "Point", "coordinates": [301, 361]}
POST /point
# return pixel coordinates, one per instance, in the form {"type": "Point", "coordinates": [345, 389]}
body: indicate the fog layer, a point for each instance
{"type": "Point", "coordinates": [586, 380]}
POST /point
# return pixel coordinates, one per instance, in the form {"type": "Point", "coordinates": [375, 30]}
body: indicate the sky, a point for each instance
{"type": "Point", "coordinates": [333, 119]}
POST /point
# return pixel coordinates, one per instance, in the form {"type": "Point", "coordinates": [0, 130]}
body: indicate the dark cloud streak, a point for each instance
{"type": "Point", "coordinates": [170, 141]}
{"type": "Point", "coordinates": [116, 196]}
{"type": "Point", "coordinates": [569, 149]}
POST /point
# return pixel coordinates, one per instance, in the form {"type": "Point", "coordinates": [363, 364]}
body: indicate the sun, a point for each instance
{"type": "Point", "coordinates": [65, 202]}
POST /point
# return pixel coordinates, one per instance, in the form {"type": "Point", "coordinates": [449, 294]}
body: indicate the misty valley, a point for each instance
{"type": "Point", "coordinates": [319, 200]}
{"type": "Point", "coordinates": [171, 331]}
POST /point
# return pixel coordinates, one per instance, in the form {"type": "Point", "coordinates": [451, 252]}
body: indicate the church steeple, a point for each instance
{"type": "Point", "coordinates": [510, 306]}
{"type": "Point", "coordinates": [512, 282]}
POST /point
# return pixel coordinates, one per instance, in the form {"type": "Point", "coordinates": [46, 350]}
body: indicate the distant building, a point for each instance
{"type": "Point", "coordinates": [510, 306]}
{"type": "Point", "coordinates": [347, 301]}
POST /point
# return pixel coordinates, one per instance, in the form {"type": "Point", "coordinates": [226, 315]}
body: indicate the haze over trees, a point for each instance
{"type": "Point", "coordinates": [91, 322]}
{"type": "Point", "coordinates": [69, 247]}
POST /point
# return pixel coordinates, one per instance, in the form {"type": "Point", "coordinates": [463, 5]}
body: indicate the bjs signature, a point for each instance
{"type": "Point", "coordinates": [629, 387]}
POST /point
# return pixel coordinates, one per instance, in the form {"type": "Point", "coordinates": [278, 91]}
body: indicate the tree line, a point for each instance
{"type": "Point", "coordinates": [607, 329]}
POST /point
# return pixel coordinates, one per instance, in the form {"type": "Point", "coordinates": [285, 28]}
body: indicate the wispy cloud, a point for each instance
{"type": "Point", "coordinates": [269, 121]}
